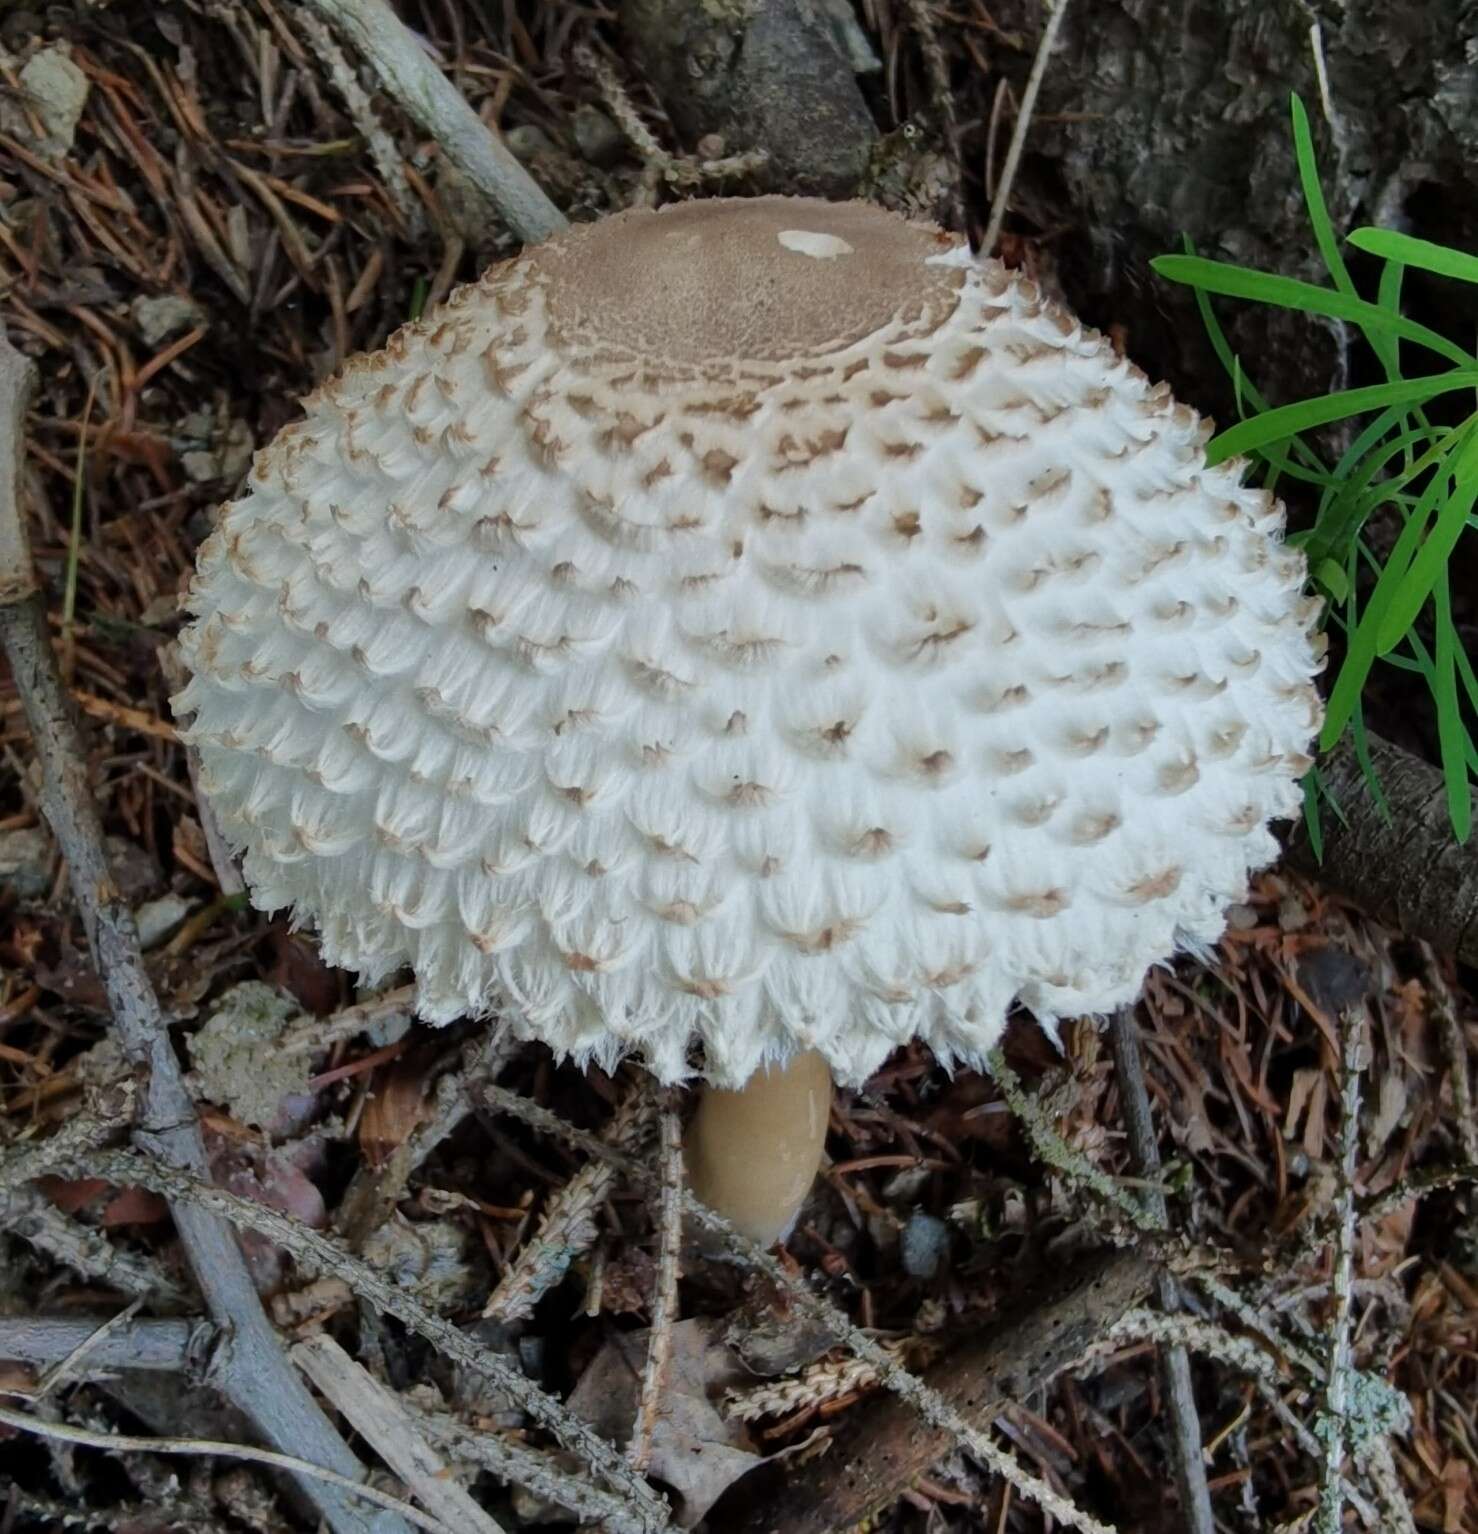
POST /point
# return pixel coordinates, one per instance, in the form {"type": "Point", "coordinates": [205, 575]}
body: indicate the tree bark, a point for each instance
{"type": "Point", "coordinates": [1165, 118]}
{"type": "Point", "coordinates": [1408, 870]}
{"type": "Point", "coordinates": [763, 74]}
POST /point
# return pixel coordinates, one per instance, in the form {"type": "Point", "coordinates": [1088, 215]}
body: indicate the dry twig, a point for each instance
{"type": "Point", "coordinates": [1002, 199]}
{"type": "Point", "coordinates": [664, 1300]}
{"type": "Point", "coordinates": [156, 1346]}
{"type": "Point", "coordinates": [35, 1219]}
{"type": "Point", "coordinates": [569, 1225]}
{"type": "Point", "coordinates": [1334, 1424]}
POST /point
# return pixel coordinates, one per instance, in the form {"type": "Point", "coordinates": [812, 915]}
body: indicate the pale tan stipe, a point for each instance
{"type": "Point", "coordinates": [752, 1154]}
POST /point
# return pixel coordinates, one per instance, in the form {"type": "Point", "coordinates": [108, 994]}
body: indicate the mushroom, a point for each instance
{"type": "Point", "coordinates": [749, 636]}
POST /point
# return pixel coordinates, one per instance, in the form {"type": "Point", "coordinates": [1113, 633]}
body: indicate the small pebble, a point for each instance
{"type": "Point", "coordinates": [158, 919]}
{"type": "Point", "coordinates": [925, 1244]}
{"type": "Point", "coordinates": [25, 862]}
{"type": "Point", "coordinates": [598, 139]}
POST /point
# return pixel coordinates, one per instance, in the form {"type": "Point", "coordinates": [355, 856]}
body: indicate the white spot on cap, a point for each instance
{"type": "Point", "coordinates": [810, 242]}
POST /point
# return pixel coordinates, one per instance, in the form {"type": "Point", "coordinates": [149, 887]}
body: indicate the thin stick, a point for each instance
{"type": "Point", "coordinates": [664, 1301]}
{"type": "Point", "coordinates": [1190, 1463]}
{"type": "Point", "coordinates": [1334, 1427]}
{"type": "Point", "coordinates": [1023, 122]}
{"type": "Point", "coordinates": [253, 1373]}
{"type": "Point", "coordinates": [387, 1427]}
{"type": "Point", "coordinates": [543, 1474]}
{"type": "Point", "coordinates": [413, 79]}
{"type": "Point", "coordinates": [114, 1442]}
{"type": "Point", "coordinates": [65, 1369]}
{"type": "Point", "coordinates": [17, 385]}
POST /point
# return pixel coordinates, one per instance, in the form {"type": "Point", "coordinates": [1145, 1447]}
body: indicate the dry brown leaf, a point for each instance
{"type": "Point", "coordinates": [394, 1107]}
{"type": "Point", "coordinates": [695, 1451]}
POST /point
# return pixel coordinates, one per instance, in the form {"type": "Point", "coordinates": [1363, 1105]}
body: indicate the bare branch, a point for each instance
{"type": "Point", "coordinates": [413, 79]}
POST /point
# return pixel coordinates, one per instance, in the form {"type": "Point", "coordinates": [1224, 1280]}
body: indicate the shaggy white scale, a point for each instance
{"type": "Point", "coordinates": [756, 623]}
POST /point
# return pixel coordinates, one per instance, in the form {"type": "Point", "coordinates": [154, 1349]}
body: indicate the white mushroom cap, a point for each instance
{"type": "Point", "coordinates": [756, 623]}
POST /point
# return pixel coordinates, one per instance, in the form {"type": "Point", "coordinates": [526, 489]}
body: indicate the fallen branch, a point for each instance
{"type": "Point", "coordinates": [175, 1347]}
{"type": "Point", "coordinates": [412, 78]}
{"type": "Point", "coordinates": [879, 1449]}
{"type": "Point", "coordinates": [252, 1372]}
{"type": "Point", "coordinates": [1175, 1363]}
{"type": "Point", "coordinates": [166, 1347]}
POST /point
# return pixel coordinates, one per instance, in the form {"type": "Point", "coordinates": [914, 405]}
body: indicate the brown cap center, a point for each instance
{"type": "Point", "coordinates": [743, 279]}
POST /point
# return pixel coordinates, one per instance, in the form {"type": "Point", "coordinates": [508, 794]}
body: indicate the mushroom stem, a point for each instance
{"type": "Point", "coordinates": [752, 1154]}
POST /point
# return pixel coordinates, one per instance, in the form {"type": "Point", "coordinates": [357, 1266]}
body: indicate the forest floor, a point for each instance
{"type": "Point", "coordinates": [186, 249]}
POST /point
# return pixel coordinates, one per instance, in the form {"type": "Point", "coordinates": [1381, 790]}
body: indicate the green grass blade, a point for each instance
{"type": "Point", "coordinates": [1308, 175]}
{"type": "Point", "coordinates": [1363, 644]}
{"type": "Point", "coordinates": [1308, 298]}
{"type": "Point", "coordinates": [1275, 425]}
{"type": "Point", "coordinates": [1388, 296]}
{"type": "Point", "coordinates": [1431, 559]}
{"type": "Point", "coordinates": [1453, 740]}
{"type": "Point", "coordinates": [1360, 491]}
{"type": "Point", "coordinates": [1409, 251]}
{"type": "Point", "coordinates": [1469, 680]}
{"type": "Point", "coordinates": [1313, 791]}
